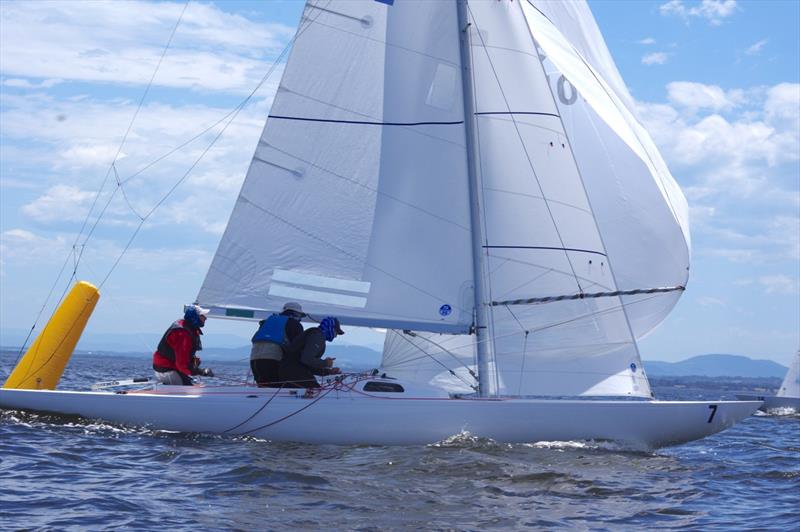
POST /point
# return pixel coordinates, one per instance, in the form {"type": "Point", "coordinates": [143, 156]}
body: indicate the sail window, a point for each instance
{"type": "Point", "coordinates": [377, 386]}
{"type": "Point", "coordinates": [442, 92]}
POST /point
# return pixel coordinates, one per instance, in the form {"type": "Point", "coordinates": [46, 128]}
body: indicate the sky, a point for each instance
{"type": "Point", "coordinates": [717, 84]}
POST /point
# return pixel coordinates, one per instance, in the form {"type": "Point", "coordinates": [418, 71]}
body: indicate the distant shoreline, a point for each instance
{"type": "Point", "coordinates": [717, 367]}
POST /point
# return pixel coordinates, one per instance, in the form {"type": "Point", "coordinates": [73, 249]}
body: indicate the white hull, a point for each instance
{"type": "Point", "coordinates": [347, 415]}
{"type": "Point", "coordinates": [773, 402]}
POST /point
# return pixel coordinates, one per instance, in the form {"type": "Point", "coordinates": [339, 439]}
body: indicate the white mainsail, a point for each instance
{"type": "Point", "coordinates": [356, 202]}
{"type": "Point", "coordinates": [577, 200]}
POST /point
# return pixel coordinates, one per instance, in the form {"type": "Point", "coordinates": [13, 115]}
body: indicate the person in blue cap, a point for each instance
{"type": "Point", "coordinates": [303, 357]}
{"type": "Point", "coordinates": [175, 360]}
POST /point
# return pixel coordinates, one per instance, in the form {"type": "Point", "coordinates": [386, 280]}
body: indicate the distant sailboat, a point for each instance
{"type": "Point", "coordinates": [788, 395]}
{"type": "Point", "coordinates": [471, 176]}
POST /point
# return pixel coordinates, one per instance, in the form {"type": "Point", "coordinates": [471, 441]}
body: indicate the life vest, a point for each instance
{"type": "Point", "coordinates": [166, 351]}
{"type": "Point", "coordinates": [273, 329]}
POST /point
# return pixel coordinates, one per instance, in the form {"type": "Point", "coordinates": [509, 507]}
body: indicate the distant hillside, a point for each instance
{"type": "Point", "coordinates": [716, 366]}
{"type": "Point", "coordinates": [121, 342]}
{"type": "Point", "coordinates": [350, 357]}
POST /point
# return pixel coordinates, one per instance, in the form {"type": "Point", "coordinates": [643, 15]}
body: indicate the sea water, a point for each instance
{"type": "Point", "coordinates": [63, 473]}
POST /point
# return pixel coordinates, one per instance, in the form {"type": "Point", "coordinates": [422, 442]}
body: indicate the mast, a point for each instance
{"type": "Point", "coordinates": [482, 337]}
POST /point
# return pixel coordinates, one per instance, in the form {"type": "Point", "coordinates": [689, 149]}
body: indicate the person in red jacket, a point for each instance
{"type": "Point", "coordinates": [175, 360]}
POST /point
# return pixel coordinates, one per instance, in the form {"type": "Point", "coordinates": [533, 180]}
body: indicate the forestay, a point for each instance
{"type": "Point", "coordinates": [356, 201]}
{"type": "Point", "coordinates": [577, 201]}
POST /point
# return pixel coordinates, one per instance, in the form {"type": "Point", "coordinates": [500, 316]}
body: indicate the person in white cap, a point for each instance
{"type": "Point", "coordinates": [175, 360]}
{"type": "Point", "coordinates": [270, 341]}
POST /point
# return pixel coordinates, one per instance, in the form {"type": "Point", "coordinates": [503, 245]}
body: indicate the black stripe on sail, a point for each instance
{"type": "Point", "coordinates": [516, 113]}
{"type": "Point", "coordinates": [550, 299]}
{"type": "Point", "coordinates": [365, 122]}
{"type": "Point", "coordinates": [548, 248]}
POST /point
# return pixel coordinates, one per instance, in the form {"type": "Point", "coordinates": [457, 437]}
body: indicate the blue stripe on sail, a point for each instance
{"type": "Point", "coordinates": [387, 2]}
{"type": "Point", "coordinates": [365, 122]}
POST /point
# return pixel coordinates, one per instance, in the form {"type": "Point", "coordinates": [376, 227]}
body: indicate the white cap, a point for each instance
{"type": "Point", "coordinates": [200, 310]}
{"type": "Point", "coordinates": [294, 307]}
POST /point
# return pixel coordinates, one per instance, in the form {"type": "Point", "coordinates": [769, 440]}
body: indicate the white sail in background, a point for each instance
{"type": "Point", "coordinates": [790, 387]}
{"type": "Point", "coordinates": [356, 202]}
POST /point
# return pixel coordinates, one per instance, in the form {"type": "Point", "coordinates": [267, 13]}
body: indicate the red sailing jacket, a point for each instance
{"type": "Point", "coordinates": [177, 347]}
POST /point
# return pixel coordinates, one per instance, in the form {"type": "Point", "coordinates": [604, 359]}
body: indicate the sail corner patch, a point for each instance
{"type": "Point", "coordinates": [387, 2]}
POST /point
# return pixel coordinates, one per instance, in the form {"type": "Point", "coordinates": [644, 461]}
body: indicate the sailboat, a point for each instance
{"type": "Point", "coordinates": [472, 177]}
{"type": "Point", "coordinates": [787, 396]}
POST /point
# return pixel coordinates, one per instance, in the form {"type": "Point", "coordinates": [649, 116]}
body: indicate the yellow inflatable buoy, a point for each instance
{"type": "Point", "coordinates": [44, 362]}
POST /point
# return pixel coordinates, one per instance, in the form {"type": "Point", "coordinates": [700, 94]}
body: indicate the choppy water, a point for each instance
{"type": "Point", "coordinates": [63, 473]}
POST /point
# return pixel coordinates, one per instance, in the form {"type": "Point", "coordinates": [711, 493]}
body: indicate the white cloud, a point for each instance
{"type": "Point", "coordinates": [779, 284]}
{"type": "Point", "coordinates": [751, 239]}
{"type": "Point", "coordinates": [699, 96]}
{"type": "Point", "coordinates": [10, 182]}
{"type": "Point", "coordinates": [783, 105]}
{"type": "Point", "coordinates": [87, 155]}
{"type": "Point", "coordinates": [647, 41]}
{"type": "Point", "coordinates": [25, 248]}
{"type": "Point", "coordinates": [22, 247]}
{"type": "Point", "coordinates": [756, 48]}
{"type": "Point", "coordinates": [736, 150]}
{"type": "Point", "coordinates": [655, 58]}
{"type": "Point", "coordinates": [740, 171]}
{"type": "Point", "coordinates": [122, 42]}
{"type": "Point", "coordinates": [26, 84]}
{"type": "Point", "coordinates": [708, 301]}
{"type": "Point", "coordinates": [59, 204]}
{"type": "Point", "coordinates": [701, 213]}
{"type": "Point", "coordinates": [714, 11]}
{"type": "Point", "coordinates": [79, 151]}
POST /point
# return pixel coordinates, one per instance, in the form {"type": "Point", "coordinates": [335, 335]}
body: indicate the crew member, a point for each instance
{"type": "Point", "coordinates": [270, 342]}
{"type": "Point", "coordinates": [175, 360]}
{"type": "Point", "coordinates": [303, 358]}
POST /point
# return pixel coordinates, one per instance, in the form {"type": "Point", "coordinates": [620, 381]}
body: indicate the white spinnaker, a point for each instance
{"type": "Point", "coordinates": [541, 237]}
{"type": "Point", "coordinates": [641, 211]}
{"type": "Point", "coordinates": [790, 387]}
{"type": "Point", "coordinates": [356, 201]}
